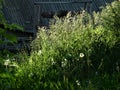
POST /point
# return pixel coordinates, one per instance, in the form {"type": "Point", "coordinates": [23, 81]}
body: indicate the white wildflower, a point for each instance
{"type": "Point", "coordinates": [53, 62]}
{"type": "Point", "coordinates": [64, 63]}
{"type": "Point", "coordinates": [65, 60]}
{"type": "Point", "coordinates": [78, 82]}
{"type": "Point", "coordinates": [7, 62]}
{"type": "Point", "coordinates": [39, 52]}
{"type": "Point", "coordinates": [82, 55]}
{"type": "Point", "coordinates": [83, 11]}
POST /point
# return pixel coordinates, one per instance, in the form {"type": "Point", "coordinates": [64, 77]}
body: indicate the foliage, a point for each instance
{"type": "Point", "coordinates": [73, 55]}
{"type": "Point", "coordinates": [6, 37]}
{"type": "Point", "coordinates": [111, 17]}
{"type": "Point", "coordinates": [75, 50]}
{"type": "Point", "coordinates": [7, 64]}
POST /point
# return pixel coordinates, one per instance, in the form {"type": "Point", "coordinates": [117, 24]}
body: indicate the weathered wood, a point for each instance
{"type": "Point", "coordinates": [63, 7]}
{"type": "Point", "coordinates": [80, 1]}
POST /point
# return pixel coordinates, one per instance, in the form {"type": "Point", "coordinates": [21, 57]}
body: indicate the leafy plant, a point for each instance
{"type": "Point", "coordinates": [73, 55]}
{"type": "Point", "coordinates": [7, 64]}
{"type": "Point", "coordinates": [6, 37]}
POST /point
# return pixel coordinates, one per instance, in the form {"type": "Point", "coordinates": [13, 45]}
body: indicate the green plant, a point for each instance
{"type": "Point", "coordinates": [7, 64]}
{"type": "Point", "coordinates": [6, 37]}
{"type": "Point", "coordinates": [73, 55]}
{"type": "Point", "coordinates": [111, 18]}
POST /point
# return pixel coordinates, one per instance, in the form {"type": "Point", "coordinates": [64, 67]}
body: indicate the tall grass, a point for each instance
{"type": "Point", "coordinates": [73, 54]}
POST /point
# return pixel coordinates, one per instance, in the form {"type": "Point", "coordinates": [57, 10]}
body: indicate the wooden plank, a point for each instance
{"type": "Point", "coordinates": [81, 1]}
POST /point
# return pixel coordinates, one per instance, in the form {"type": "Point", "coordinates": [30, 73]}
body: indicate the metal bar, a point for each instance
{"type": "Point", "coordinates": [81, 1]}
